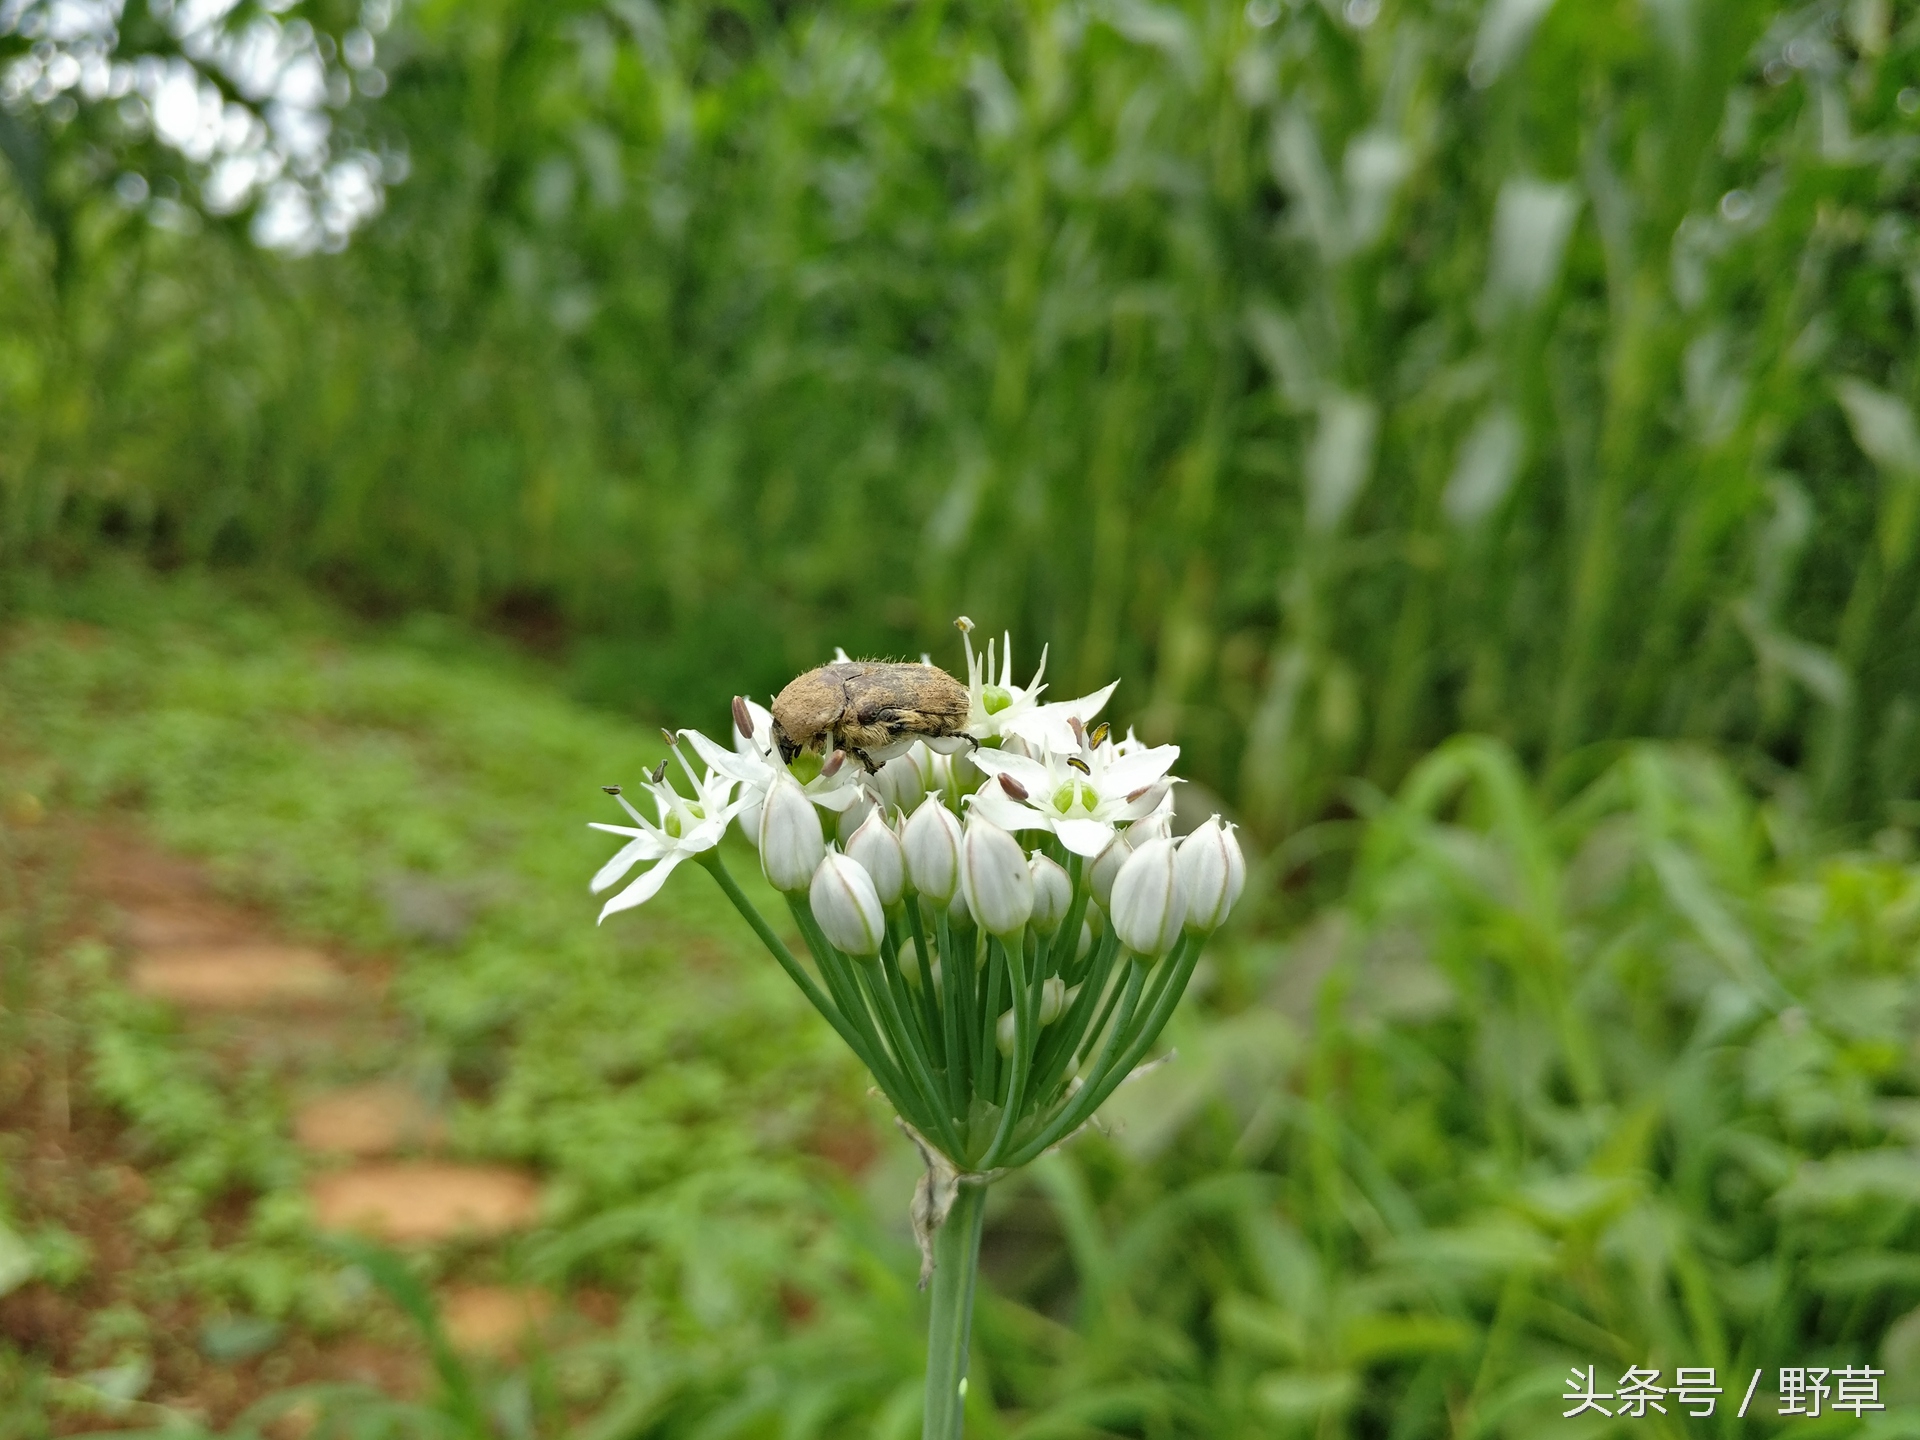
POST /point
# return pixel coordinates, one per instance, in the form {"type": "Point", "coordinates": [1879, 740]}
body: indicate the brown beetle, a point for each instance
{"type": "Point", "coordinates": [872, 709]}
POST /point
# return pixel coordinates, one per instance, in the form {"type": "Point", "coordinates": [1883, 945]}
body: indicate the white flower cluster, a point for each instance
{"type": "Point", "coordinates": [1000, 933]}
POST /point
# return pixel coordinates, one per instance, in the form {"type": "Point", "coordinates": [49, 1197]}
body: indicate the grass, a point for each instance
{"type": "Point", "coordinates": [1620, 1079]}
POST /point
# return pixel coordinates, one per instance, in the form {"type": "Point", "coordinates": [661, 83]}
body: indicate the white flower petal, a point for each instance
{"type": "Point", "coordinates": [1145, 805]}
{"type": "Point", "coordinates": [1047, 724]}
{"type": "Point", "coordinates": [744, 766]}
{"type": "Point", "coordinates": [1084, 837]}
{"type": "Point", "coordinates": [1143, 767]}
{"type": "Point", "coordinates": [1002, 809]}
{"type": "Point", "coordinates": [707, 833]}
{"type": "Point", "coordinates": [836, 798]}
{"type": "Point", "coordinates": [629, 855]}
{"type": "Point", "coordinates": [642, 889]}
{"type": "Point", "coordinates": [1033, 775]}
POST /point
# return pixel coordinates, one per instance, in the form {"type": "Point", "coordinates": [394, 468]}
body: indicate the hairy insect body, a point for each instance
{"type": "Point", "coordinates": [873, 710]}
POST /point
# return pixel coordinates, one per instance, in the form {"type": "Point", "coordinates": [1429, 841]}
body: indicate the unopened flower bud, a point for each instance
{"type": "Point", "coordinates": [878, 852]}
{"type": "Point", "coordinates": [1149, 905]}
{"type": "Point", "coordinates": [930, 844]}
{"type": "Point", "coordinates": [901, 783]}
{"type": "Point", "coordinates": [910, 970]}
{"type": "Point", "coordinates": [994, 877]}
{"type": "Point", "coordinates": [853, 817]}
{"type": "Point", "coordinates": [1081, 950]}
{"type": "Point", "coordinates": [952, 777]}
{"type": "Point", "coordinates": [846, 905]}
{"type": "Point", "coordinates": [790, 840]}
{"type": "Point", "coordinates": [1053, 999]}
{"type": "Point", "coordinates": [1213, 872]}
{"type": "Point", "coordinates": [1052, 894]}
{"type": "Point", "coordinates": [1105, 867]}
{"type": "Point", "coordinates": [961, 919]}
{"type": "Point", "coordinates": [1156, 826]}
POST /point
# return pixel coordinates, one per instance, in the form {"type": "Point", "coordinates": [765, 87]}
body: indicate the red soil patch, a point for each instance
{"type": "Point", "coordinates": [380, 1118]}
{"type": "Point", "coordinates": [248, 976]}
{"type": "Point", "coordinates": [492, 1319]}
{"type": "Point", "coordinates": [423, 1201]}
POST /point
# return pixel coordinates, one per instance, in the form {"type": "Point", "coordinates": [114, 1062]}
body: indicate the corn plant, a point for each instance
{"type": "Point", "coordinates": [1406, 366]}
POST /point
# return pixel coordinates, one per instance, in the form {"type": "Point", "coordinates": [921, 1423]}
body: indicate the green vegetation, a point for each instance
{"type": "Point", "coordinates": [1343, 377]}
{"type": "Point", "coordinates": [1482, 435]}
{"type": "Point", "coordinates": [1627, 1079]}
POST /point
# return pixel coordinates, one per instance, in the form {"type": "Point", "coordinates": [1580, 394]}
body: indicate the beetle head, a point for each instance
{"type": "Point", "coordinates": [785, 743]}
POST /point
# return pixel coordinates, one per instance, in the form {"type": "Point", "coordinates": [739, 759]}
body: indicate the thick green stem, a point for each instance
{"type": "Point", "coordinates": [956, 1262]}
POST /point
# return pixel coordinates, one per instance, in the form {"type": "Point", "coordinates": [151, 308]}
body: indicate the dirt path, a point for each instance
{"type": "Point", "coordinates": [372, 1140]}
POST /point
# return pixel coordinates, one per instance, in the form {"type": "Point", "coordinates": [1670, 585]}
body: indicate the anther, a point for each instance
{"type": "Point", "coordinates": [611, 789]}
{"type": "Point", "coordinates": [668, 736]}
{"type": "Point", "coordinates": [742, 717]}
{"type": "Point", "coordinates": [963, 625]}
{"type": "Point", "coordinates": [1100, 733]}
{"type": "Point", "coordinates": [1012, 786]}
{"type": "Point", "coordinates": [1078, 764]}
{"type": "Point", "coordinates": [1079, 730]}
{"type": "Point", "coordinates": [834, 762]}
{"type": "Point", "coordinates": [659, 773]}
{"type": "Point", "coordinates": [1138, 793]}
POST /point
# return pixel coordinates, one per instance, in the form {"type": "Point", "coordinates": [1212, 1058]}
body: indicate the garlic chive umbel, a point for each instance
{"type": "Point", "coordinates": [999, 921]}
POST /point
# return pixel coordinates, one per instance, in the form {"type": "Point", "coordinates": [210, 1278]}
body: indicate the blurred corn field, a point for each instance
{"type": "Point", "coordinates": [1345, 376]}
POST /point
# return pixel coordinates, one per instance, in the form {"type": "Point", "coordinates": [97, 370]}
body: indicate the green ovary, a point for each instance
{"type": "Point", "coordinates": [1075, 791]}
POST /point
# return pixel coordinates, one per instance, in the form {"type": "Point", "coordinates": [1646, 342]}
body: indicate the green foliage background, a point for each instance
{"type": "Point", "coordinates": [1342, 377]}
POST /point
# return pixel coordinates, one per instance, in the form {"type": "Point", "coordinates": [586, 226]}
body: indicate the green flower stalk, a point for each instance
{"type": "Point", "coordinates": [997, 991]}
